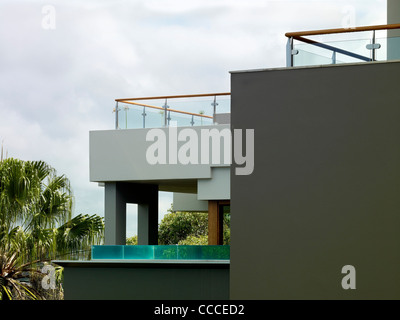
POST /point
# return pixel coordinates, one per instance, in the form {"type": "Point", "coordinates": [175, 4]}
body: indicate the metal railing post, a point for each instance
{"type": "Point", "coordinates": [144, 117]}
{"type": "Point", "coordinates": [289, 52]}
{"type": "Point", "coordinates": [373, 46]}
{"type": "Point", "coordinates": [116, 116]}
{"type": "Point", "coordinates": [214, 104]}
{"type": "Point", "coordinates": [165, 114]}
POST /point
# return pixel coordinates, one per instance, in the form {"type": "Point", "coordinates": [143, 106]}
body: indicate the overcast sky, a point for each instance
{"type": "Point", "coordinates": [59, 81]}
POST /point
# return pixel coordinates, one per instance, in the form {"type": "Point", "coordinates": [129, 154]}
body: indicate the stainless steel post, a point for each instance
{"type": "Point", "coordinates": [289, 52]}
{"type": "Point", "coordinates": [373, 46]}
{"type": "Point", "coordinates": [144, 117]}
{"type": "Point", "coordinates": [116, 116]}
{"type": "Point", "coordinates": [214, 104]}
{"type": "Point", "coordinates": [165, 114]}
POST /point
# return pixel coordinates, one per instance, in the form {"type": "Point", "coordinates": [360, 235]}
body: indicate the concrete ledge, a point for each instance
{"type": "Point", "coordinates": [128, 263]}
{"type": "Point", "coordinates": [146, 279]}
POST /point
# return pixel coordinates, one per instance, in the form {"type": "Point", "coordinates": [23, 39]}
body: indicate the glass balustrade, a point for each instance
{"type": "Point", "coordinates": [175, 111]}
{"type": "Point", "coordinates": [390, 49]}
{"type": "Point", "coordinates": [336, 52]}
{"type": "Point", "coordinates": [160, 252]}
{"type": "Point", "coordinates": [346, 45]}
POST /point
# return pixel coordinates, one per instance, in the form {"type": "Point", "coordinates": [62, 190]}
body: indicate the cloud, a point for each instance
{"type": "Point", "coordinates": [57, 85]}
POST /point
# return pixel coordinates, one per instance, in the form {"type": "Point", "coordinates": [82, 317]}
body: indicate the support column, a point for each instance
{"type": "Point", "coordinates": [146, 196]}
{"type": "Point", "coordinates": [215, 223]}
{"type": "Point", "coordinates": [114, 215]}
{"type": "Point", "coordinates": [117, 195]}
{"type": "Point", "coordinates": [148, 224]}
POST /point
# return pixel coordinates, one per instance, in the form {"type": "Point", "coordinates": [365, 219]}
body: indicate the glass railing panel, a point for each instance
{"type": "Point", "coordinates": [306, 58]}
{"type": "Point", "coordinates": [204, 252]}
{"type": "Point", "coordinates": [224, 104]}
{"type": "Point", "coordinates": [139, 252]}
{"type": "Point", "coordinates": [390, 49]}
{"type": "Point", "coordinates": [334, 52]}
{"type": "Point", "coordinates": [187, 120]}
{"type": "Point", "coordinates": [179, 119]}
{"type": "Point", "coordinates": [356, 46]}
{"type": "Point", "coordinates": [130, 117]}
{"type": "Point", "coordinates": [382, 53]}
{"type": "Point", "coordinates": [202, 121]}
{"type": "Point", "coordinates": [187, 111]}
{"type": "Point", "coordinates": [107, 252]}
{"type": "Point", "coordinates": [160, 252]}
{"type": "Point", "coordinates": [154, 118]}
{"type": "Point", "coordinates": [362, 44]}
{"type": "Point", "coordinates": [167, 252]}
{"type": "Point", "coordinates": [198, 105]}
{"type": "Point", "coordinates": [121, 118]}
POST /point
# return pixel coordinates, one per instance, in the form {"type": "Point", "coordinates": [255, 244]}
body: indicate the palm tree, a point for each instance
{"type": "Point", "coordinates": [35, 215]}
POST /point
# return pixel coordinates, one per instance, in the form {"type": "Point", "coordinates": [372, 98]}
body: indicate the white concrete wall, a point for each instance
{"type": "Point", "coordinates": [120, 155]}
{"type": "Point", "coordinates": [188, 202]}
{"type": "Point", "coordinates": [217, 188]}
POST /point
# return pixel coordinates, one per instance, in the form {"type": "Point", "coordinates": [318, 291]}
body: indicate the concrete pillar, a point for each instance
{"type": "Point", "coordinates": [115, 215]}
{"type": "Point", "coordinates": [148, 223]}
{"type": "Point", "coordinates": [117, 195]}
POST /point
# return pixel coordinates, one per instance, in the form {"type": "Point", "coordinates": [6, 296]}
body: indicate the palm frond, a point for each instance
{"type": "Point", "coordinates": [7, 291]}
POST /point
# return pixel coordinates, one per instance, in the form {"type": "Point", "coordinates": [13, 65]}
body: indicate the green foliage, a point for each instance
{"type": "Point", "coordinates": [35, 217]}
{"type": "Point", "coordinates": [78, 235]}
{"type": "Point", "coordinates": [177, 226]}
{"type": "Point", "coordinates": [188, 228]}
{"type": "Point", "coordinates": [227, 229]}
{"type": "Point", "coordinates": [194, 241]}
{"type": "Point", "coordinates": [132, 241]}
{"type": "Point", "coordinates": [11, 274]}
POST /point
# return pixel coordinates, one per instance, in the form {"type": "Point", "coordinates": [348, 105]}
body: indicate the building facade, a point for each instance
{"type": "Point", "coordinates": [318, 216]}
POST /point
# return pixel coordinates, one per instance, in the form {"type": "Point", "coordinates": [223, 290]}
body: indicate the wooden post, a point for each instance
{"type": "Point", "coordinates": [215, 223]}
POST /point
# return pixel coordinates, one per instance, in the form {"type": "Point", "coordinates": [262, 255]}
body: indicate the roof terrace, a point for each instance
{"type": "Point", "coordinates": [360, 44]}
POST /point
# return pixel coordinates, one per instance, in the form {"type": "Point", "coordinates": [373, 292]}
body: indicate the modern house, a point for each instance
{"type": "Point", "coordinates": [322, 198]}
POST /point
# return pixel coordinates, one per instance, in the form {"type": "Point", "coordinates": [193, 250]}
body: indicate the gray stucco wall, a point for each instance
{"type": "Point", "coordinates": [393, 17]}
{"type": "Point", "coordinates": [325, 189]}
{"type": "Point", "coordinates": [149, 280]}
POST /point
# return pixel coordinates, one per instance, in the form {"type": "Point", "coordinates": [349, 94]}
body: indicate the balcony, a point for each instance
{"type": "Point", "coordinates": [348, 45]}
{"type": "Point", "coordinates": [165, 111]}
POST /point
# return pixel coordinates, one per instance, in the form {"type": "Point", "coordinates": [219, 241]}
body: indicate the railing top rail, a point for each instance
{"type": "Point", "coordinates": [176, 96]}
{"type": "Point", "coordinates": [342, 30]}
{"type": "Point", "coordinates": [172, 110]}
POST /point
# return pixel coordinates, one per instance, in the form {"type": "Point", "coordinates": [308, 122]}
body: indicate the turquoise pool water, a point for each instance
{"type": "Point", "coordinates": [168, 252]}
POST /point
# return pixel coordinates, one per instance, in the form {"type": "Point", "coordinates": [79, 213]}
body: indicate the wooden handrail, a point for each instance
{"type": "Point", "coordinates": [161, 108]}
{"type": "Point", "coordinates": [176, 96]}
{"type": "Point", "coordinates": [342, 30]}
